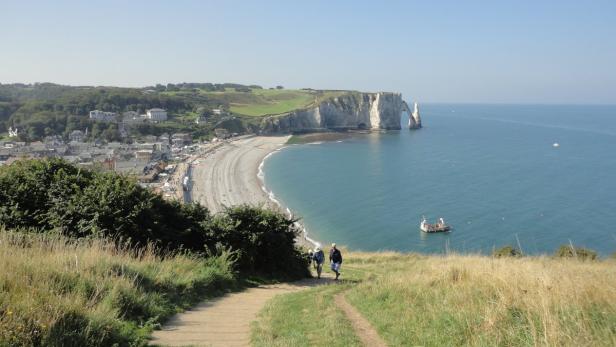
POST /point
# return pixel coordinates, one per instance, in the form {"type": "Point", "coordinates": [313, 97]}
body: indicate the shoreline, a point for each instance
{"type": "Point", "coordinates": [232, 174]}
{"type": "Point", "coordinates": [272, 197]}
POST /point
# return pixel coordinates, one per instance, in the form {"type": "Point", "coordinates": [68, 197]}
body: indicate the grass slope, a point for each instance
{"type": "Point", "coordinates": [58, 292]}
{"type": "Point", "coordinates": [262, 102]}
{"type": "Point", "coordinates": [307, 318]}
{"type": "Point", "coordinates": [458, 300]}
{"type": "Point", "coordinates": [272, 101]}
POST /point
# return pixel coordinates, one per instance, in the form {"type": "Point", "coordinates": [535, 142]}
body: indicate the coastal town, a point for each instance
{"type": "Point", "coordinates": [158, 162]}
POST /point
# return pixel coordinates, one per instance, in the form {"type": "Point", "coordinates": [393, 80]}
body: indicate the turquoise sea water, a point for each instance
{"type": "Point", "coordinates": [490, 170]}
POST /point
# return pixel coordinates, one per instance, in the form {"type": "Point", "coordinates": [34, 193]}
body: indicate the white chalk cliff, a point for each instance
{"type": "Point", "coordinates": [414, 118]}
{"type": "Point", "coordinates": [371, 111]}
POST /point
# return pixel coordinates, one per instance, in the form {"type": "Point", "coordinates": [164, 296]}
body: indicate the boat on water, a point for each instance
{"type": "Point", "coordinates": [439, 227]}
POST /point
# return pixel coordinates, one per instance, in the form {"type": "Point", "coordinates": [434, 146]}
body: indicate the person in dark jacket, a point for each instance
{"type": "Point", "coordinates": [335, 259]}
{"type": "Point", "coordinates": [319, 259]}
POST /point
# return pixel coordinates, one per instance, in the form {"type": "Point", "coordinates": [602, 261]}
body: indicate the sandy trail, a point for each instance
{"type": "Point", "coordinates": [228, 175]}
{"type": "Point", "coordinates": [225, 321]}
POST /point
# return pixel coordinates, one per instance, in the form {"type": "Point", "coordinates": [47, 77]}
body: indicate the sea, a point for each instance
{"type": "Point", "coordinates": [531, 176]}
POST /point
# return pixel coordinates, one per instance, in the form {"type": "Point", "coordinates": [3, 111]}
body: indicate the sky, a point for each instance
{"type": "Point", "coordinates": [431, 51]}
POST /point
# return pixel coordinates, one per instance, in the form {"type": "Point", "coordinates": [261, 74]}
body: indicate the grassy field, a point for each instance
{"type": "Point", "coordinates": [273, 101]}
{"type": "Point", "coordinates": [278, 101]}
{"type": "Point", "coordinates": [457, 300]}
{"type": "Point", "coordinates": [261, 102]}
{"type": "Point", "coordinates": [57, 292]}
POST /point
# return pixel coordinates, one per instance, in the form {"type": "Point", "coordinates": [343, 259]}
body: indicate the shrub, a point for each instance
{"type": "Point", "coordinates": [507, 251]}
{"type": "Point", "coordinates": [569, 251]}
{"type": "Point", "coordinates": [264, 241]}
{"type": "Point", "coordinates": [52, 194]}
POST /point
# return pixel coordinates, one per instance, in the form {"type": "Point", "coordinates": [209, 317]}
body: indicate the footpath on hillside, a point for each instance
{"type": "Point", "coordinates": [225, 321]}
{"type": "Point", "coordinates": [363, 329]}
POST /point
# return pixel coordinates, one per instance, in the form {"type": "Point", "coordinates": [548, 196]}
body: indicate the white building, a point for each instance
{"type": "Point", "coordinates": [156, 114]}
{"type": "Point", "coordinates": [102, 116]}
{"type": "Point", "coordinates": [13, 132]}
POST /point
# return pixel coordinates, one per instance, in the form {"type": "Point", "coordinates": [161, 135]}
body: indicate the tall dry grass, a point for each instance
{"type": "Point", "coordinates": [472, 300]}
{"type": "Point", "coordinates": [58, 291]}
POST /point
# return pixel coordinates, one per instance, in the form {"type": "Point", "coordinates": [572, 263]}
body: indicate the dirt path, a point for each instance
{"type": "Point", "coordinates": [362, 327]}
{"type": "Point", "coordinates": [226, 320]}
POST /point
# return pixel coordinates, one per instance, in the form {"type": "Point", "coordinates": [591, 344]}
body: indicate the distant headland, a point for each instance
{"type": "Point", "coordinates": [39, 111]}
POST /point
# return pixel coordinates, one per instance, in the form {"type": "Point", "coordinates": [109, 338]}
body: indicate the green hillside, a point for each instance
{"type": "Point", "coordinates": [455, 300]}
{"type": "Point", "coordinates": [274, 102]}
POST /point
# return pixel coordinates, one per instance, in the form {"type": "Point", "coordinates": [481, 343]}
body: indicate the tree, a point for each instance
{"type": "Point", "coordinates": [263, 239]}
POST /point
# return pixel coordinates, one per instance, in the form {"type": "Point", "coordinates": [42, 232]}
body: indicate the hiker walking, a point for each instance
{"type": "Point", "coordinates": [319, 259]}
{"type": "Point", "coordinates": [311, 257]}
{"type": "Point", "coordinates": [335, 259]}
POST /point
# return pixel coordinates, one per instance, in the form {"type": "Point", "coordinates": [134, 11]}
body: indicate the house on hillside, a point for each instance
{"type": "Point", "coordinates": [144, 154]}
{"type": "Point", "coordinates": [13, 132]}
{"type": "Point", "coordinates": [76, 136]}
{"type": "Point", "coordinates": [156, 114]}
{"type": "Point", "coordinates": [181, 139]}
{"type": "Point", "coordinates": [103, 116]}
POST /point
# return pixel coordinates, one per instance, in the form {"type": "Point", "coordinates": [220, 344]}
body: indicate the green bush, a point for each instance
{"type": "Point", "coordinates": [55, 195]}
{"type": "Point", "coordinates": [569, 251]}
{"type": "Point", "coordinates": [507, 251]}
{"type": "Point", "coordinates": [264, 241]}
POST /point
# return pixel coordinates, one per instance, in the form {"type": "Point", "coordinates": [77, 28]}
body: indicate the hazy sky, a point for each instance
{"type": "Point", "coordinates": [458, 51]}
